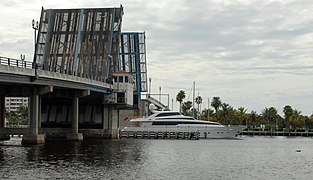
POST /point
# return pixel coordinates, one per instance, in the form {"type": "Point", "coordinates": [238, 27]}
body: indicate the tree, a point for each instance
{"type": "Point", "coordinates": [12, 118]}
{"type": "Point", "coordinates": [288, 111]}
{"type": "Point", "coordinates": [23, 114]}
{"type": "Point", "coordinates": [226, 114]}
{"type": "Point", "coordinates": [179, 97]}
{"type": "Point", "coordinates": [216, 103]}
{"type": "Point", "coordinates": [253, 119]}
{"type": "Point", "coordinates": [19, 117]}
{"type": "Point", "coordinates": [206, 114]}
{"type": "Point", "coordinates": [198, 102]}
{"type": "Point", "coordinates": [270, 115]}
{"type": "Point", "coordinates": [297, 120]}
{"type": "Point", "coordinates": [242, 115]}
{"type": "Point", "coordinates": [186, 107]}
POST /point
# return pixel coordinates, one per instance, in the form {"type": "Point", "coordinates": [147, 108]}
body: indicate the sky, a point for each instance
{"type": "Point", "coordinates": [250, 53]}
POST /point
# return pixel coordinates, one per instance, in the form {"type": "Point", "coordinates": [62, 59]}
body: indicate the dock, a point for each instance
{"type": "Point", "coordinates": [279, 133]}
{"type": "Point", "coordinates": [159, 135]}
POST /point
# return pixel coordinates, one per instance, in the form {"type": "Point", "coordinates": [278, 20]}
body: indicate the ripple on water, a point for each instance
{"type": "Point", "coordinates": [249, 158]}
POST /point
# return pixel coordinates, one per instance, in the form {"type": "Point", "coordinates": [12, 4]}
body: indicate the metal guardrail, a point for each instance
{"type": "Point", "coordinates": [16, 62]}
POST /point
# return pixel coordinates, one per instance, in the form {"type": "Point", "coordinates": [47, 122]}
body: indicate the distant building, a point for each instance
{"type": "Point", "coordinates": [13, 103]}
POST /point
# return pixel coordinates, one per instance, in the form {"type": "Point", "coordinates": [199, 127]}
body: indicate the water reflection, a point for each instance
{"type": "Point", "coordinates": [158, 159]}
{"type": "Point", "coordinates": [71, 159]}
{"type": "Point", "coordinates": [1, 155]}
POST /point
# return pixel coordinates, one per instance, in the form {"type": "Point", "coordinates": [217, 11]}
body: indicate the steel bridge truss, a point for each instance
{"type": "Point", "coordinates": [80, 42]}
{"type": "Point", "coordinates": [133, 58]}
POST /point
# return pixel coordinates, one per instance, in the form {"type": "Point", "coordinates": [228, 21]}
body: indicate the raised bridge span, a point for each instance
{"type": "Point", "coordinates": [70, 82]}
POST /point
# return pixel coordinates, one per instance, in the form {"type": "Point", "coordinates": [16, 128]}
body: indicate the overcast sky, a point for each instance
{"type": "Point", "coordinates": [250, 53]}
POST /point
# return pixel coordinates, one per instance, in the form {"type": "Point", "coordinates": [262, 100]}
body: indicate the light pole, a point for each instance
{"type": "Point", "coordinates": [35, 26]}
{"type": "Point", "coordinates": [149, 86]}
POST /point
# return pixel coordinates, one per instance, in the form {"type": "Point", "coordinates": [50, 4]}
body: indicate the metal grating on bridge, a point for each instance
{"type": "Point", "coordinates": [80, 42]}
{"type": "Point", "coordinates": [133, 59]}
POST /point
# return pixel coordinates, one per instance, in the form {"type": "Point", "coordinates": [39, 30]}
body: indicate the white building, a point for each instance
{"type": "Point", "coordinates": [13, 103]}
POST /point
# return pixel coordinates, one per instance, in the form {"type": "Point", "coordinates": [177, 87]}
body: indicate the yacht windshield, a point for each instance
{"type": "Point", "coordinates": [180, 122]}
{"type": "Point", "coordinates": [168, 114]}
{"type": "Point", "coordinates": [180, 118]}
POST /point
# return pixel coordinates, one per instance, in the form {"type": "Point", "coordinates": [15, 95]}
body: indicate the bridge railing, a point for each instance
{"type": "Point", "coordinates": [15, 62]}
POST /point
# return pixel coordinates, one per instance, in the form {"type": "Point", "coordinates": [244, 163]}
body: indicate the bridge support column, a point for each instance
{"type": "Point", "coordinates": [75, 136]}
{"type": "Point", "coordinates": [2, 111]}
{"type": "Point", "coordinates": [2, 119]}
{"type": "Point", "coordinates": [110, 123]}
{"type": "Point", "coordinates": [114, 125]}
{"type": "Point", "coordinates": [33, 137]}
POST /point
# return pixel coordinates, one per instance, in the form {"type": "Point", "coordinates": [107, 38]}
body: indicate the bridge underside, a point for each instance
{"type": "Point", "coordinates": [64, 112]}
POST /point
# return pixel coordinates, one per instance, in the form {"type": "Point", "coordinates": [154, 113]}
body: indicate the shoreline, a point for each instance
{"type": "Point", "coordinates": [274, 133]}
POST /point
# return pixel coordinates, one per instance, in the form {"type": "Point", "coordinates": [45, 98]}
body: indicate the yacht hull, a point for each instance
{"type": "Point", "coordinates": [205, 132]}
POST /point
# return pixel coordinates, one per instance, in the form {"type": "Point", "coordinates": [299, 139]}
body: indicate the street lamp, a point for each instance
{"type": "Point", "coordinates": [35, 27]}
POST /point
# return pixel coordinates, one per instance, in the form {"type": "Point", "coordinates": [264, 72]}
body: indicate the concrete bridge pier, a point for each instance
{"type": "Point", "coordinates": [114, 123]}
{"type": "Point", "coordinates": [2, 112]}
{"type": "Point", "coordinates": [110, 123]}
{"type": "Point", "coordinates": [74, 135]}
{"type": "Point", "coordinates": [33, 137]}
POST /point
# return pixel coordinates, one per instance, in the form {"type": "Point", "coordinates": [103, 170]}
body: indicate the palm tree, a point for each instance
{"type": "Point", "coordinates": [186, 107]}
{"type": "Point", "coordinates": [216, 103]}
{"type": "Point", "coordinates": [198, 102]}
{"type": "Point", "coordinates": [226, 114]}
{"type": "Point", "coordinates": [242, 115]}
{"type": "Point", "coordinates": [179, 97]}
{"type": "Point", "coordinates": [288, 111]}
{"type": "Point", "coordinates": [297, 120]}
{"type": "Point", "coordinates": [206, 114]}
{"type": "Point", "coordinates": [253, 121]}
{"type": "Point", "coordinates": [271, 115]}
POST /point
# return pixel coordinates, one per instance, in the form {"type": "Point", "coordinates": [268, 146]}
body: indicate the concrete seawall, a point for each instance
{"type": "Point", "coordinates": [265, 133]}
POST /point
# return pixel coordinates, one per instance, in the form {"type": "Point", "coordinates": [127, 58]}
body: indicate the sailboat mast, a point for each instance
{"type": "Point", "coordinates": [193, 99]}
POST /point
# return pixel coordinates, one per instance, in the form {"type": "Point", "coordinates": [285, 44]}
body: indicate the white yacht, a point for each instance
{"type": "Point", "coordinates": [172, 121]}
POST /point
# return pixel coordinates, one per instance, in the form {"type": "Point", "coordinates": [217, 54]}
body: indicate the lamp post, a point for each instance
{"type": "Point", "coordinates": [149, 86]}
{"type": "Point", "coordinates": [35, 26]}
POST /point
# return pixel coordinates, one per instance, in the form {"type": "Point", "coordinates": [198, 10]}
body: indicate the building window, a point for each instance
{"type": "Point", "coordinates": [120, 79]}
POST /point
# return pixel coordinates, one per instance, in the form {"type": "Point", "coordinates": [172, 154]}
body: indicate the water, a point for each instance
{"type": "Point", "coordinates": [247, 158]}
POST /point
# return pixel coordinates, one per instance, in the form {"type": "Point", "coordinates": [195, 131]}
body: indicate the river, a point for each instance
{"type": "Point", "coordinates": [244, 158]}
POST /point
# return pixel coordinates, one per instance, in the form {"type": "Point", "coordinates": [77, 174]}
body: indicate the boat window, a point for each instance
{"type": "Point", "coordinates": [168, 114]}
{"type": "Point", "coordinates": [176, 123]}
{"type": "Point", "coordinates": [181, 118]}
